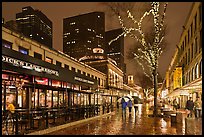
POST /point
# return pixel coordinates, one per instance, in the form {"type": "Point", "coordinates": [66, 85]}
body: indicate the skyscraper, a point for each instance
{"type": "Point", "coordinates": [34, 24]}
{"type": "Point", "coordinates": [83, 35]}
{"type": "Point", "coordinates": [115, 50]}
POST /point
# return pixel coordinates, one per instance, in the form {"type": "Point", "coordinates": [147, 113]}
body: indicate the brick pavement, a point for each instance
{"type": "Point", "coordinates": [140, 124]}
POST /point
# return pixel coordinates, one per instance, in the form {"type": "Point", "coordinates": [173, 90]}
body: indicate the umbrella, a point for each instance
{"type": "Point", "coordinates": [125, 98]}
{"type": "Point", "coordinates": [129, 96]}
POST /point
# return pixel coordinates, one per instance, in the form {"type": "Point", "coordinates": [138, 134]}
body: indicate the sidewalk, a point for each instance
{"type": "Point", "coordinates": [140, 124]}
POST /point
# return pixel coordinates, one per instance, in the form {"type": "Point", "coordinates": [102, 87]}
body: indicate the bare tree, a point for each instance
{"type": "Point", "coordinates": [140, 26]}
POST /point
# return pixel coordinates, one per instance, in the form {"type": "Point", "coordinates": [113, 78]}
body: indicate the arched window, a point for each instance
{"type": "Point", "coordinates": [192, 74]}
{"type": "Point", "coordinates": [196, 71]}
{"type": "Point", "coordinates": [200, 72]}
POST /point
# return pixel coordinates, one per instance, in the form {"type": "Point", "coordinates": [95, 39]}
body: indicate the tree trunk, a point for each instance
{"type": "Point", "coordinates": [155, 92]}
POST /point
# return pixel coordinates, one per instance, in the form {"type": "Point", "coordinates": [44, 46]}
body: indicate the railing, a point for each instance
{"type": "Point", "coordinates": [24, 121]}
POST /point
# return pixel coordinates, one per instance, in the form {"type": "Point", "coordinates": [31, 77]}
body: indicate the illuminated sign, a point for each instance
{"type": "Point", "coordinates": [28, 65]}
{"type": "Point", "coordinates": [83, 80]}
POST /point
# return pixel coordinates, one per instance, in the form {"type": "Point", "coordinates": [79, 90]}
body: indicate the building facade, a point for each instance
{"type": "Point", "coordinates": [84, 34]}
{"type": "Point", "coordinates": [34, 76]}
{"type": "Point", "coordinates": [184, 75]}
{"type": "Point", "coordinates": [35, 25]}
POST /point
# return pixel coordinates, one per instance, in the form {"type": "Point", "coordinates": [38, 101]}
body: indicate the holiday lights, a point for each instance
{"type": "Point", "coordinates": [150, 52]}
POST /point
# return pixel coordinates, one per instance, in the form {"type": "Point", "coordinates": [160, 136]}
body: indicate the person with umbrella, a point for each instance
{"type": "Point", "coordinates": [130, 106]}
{"type": "Point", "coordinates": [124, 105]}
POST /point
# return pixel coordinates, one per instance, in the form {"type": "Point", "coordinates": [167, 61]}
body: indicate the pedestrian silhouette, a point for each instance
{"type": "Point", "coordinates": [124, 105]}
{"type": "Point", "coordinates": [130, 106]}
{"type": "Point", "coordinates": [190, 106]}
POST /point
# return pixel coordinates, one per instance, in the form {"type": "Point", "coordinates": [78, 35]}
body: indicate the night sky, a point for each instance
{"type": "Point", "coordinates": [176, 15]}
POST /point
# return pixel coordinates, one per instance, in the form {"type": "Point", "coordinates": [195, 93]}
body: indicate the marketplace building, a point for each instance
{"type": "Point", "coordinates": [37, 77]}
{"type": "Point", "coordinates": [184, 75]}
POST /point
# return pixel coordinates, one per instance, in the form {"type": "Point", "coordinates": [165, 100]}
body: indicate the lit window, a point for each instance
{"type": "Point", "coordinates": [68, 42]}
{"type": "Point", "coordinates": [72, 23]}
{"type": "Point", "coordinates": [49, 60]}
{"type": "Point", "coordinates": [89, 29]}
{"type": "Point", "coordinates": [42, 38]}
{"type": "Point", "coordinates": [31, 35]}
{"type": "Point", "coordinates": [73, 41]}
{"type": "Point", "coordinates": [7, 46]}
{"type": "Point", "coordinates": [37, 34]}
{"type": "Point", "coordinates": [23, 50]}
{"type": "Point", "coordinates": [98, 16]}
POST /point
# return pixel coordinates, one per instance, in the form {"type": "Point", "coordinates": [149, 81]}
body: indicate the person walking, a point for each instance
{"type": "Point", "coordinates": [130, 106]}
{"type": "Point", "coordinates": [190, 106]}
{"type": "Point", "coordinates": [197, 108]}
{"type": "Point", "coordinates": [124, 105]}
{"type": "Point", "coordinates": [136, 102]}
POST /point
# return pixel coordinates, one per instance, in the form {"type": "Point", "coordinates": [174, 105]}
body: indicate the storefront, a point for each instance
{"type": "Point", "coordinates": [31, 83]}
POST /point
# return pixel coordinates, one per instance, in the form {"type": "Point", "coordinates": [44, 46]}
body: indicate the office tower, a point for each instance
{"type": "Point", "coordinates": [115, 50]}
{"type": "Point", "coordinates": [35, 25]}
{"type": "Point", "coordinates": [83, 35]}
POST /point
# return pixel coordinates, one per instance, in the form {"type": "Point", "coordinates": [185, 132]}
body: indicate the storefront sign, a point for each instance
{"type": "Point", "coordinates": [28, 65]}
{"type": "Point", "coordinates": [83, 80]}
{"type": "Point", "coordinates": [177, 77]}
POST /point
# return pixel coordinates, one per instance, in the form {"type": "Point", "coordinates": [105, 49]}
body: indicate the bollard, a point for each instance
{"type": "Point", "coordinates": [189, 126]}
{"type": "Point", "coordinates": [173, 119]}
{"type": "Point", "coordinates": [179, 117]}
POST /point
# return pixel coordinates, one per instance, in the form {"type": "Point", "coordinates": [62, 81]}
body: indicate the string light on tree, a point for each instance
{"type": "Point", "coordinates": [149, 52]}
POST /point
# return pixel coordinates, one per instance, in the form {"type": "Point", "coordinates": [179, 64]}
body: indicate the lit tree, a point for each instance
{"type": "Point", "coordinates": [149, 51]}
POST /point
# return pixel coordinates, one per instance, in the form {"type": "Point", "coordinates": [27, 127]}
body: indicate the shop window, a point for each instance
{"type": "Point", "coordinates": [49, 60]}
{"type": "Point", "coordinates": [6, 44]}
{"type": "Point", "coordinates": [23, 50]}
{"type": "Point", "coordinates": [58, 63]}
{"type": "Point", "coordinates": [37, 55]}
{"type": "Point", "coordinates": [55, 98]}
{"type": "Point", "coordinates": [41, 97]}
{"type": "Point", "coordinates": [61, 99]}
{"type": "Point", "coordinates": [49, 98]}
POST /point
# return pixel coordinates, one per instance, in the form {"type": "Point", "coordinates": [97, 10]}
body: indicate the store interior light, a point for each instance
{"type": "Point", "coordinates": [38, 80]}
{"type": "Point", "coordinates": [11, 86]}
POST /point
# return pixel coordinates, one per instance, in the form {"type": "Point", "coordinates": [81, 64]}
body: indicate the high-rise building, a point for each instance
{"type": "Point", "coordinates": [35, 25]}
{"type": "Point", "coordinates": [83, 35]}
{"type": "Point", "coordinates": [115, 50]}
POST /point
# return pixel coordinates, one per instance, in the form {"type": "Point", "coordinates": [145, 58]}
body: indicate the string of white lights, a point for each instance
{"type": "Point", "coordinates": [150, 52]}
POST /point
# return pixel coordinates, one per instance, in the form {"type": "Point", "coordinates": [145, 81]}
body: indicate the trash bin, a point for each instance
{"type": "Point", "coordinates": [190, 126]}
{"type": "Point", "coordinates": [173, 118]}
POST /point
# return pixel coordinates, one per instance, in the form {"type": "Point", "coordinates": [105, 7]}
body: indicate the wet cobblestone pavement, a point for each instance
{"type": "Point", "coordinates": [131, 124]}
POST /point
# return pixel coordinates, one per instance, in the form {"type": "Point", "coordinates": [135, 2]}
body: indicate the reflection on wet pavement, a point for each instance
{"type": "Point", "coordinates": [129, 124]}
